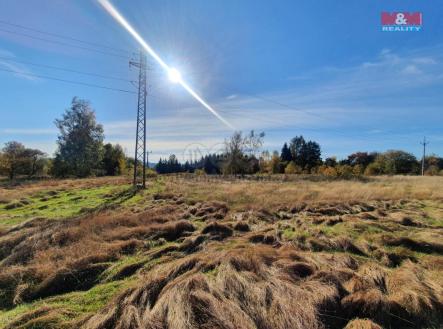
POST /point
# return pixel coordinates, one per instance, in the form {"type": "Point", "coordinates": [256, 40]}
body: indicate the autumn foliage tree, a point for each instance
{"type": "Point", "coordinates": [16, 159]}
{"type": "Point", "coordinates": [114, 160]}
{"type": "Point", "coordinates": [240, 153]}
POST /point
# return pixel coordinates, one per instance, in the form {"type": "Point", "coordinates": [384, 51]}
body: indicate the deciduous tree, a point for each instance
{"type": "Point", "coordinates": [16, 159]}
{"type": "Point", "coordinates": [80, 142]}
{"type": "Point", "coordinates": [397, 162]}
{"type": "Point", "coordinates": [114, 160]}
{"type": "Point", "coordinates": [13, 158]}
{"type": "Point", "coordinates": [240, 153]}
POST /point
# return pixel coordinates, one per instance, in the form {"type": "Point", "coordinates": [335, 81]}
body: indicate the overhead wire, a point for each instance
{"type": "Point", "coordinates": [61, 36]}
{"type": "Point", "coordinates": [63, 43]}
{"type": "Point", "coordinates": [67, 81]}
{"type": "Point", "coordinates": [63, 69]}
{"type": "Point", "coordinates": [64, 37]}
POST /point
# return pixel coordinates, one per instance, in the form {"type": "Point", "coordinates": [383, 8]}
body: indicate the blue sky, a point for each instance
{"type": "Point", "coordinates": [322, 69]}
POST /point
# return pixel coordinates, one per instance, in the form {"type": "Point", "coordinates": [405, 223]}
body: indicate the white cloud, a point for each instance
{"type": "Point", "coordinates": [424, 60]}
{"type": "Point", "coordinates": [412, 69]}
{"type": "Point", "coordinates": [22, 131]}
{"type": "Point", "coordinates": [19, 70]}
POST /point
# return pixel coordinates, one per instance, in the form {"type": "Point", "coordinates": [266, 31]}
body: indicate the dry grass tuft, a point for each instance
{"type": "Point", "coordinates": [218, 231]}
{"type": "Point", "coordinates": [264, 238]}
{"type": "Point", "coordinates": [249, 289]}
{"type": "Point", "coordinates": [51, 258]}
{"type": "Point", "coordinates": [337, 244]}
{"type": "Point", "coordinates": [404, 297]}
{"type": "Point", "coordinates": [210, 210]}
{"type": "Point", "coordinates": [413, 295]}
{"type": "Point", "coordinates": [415, 245]}
{"type": "Point", "coordinates": [242, 227]}
{"type": "Point", "coordinates": [44, 317]}
{"type": "Point", "coordinates": [407, 221]}
{"type": "Point", "coordinates": [299, 270]}
{"type": "Point", "coordinates": [362, 324]}
{"type": "Point", "coordinates": [66, 280]}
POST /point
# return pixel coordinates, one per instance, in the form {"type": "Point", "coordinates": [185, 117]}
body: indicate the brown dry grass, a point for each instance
{"type": "Point", "coordinates": [246, 194]}
{"type": "Point", "coordinates": [246, 288]}
{"type": "Point", "coordinates": [51, 258]}
{"type": "Point", "coordinates": [264, 287]}
{"type": "Point", "coordinates": [240, 255]}
{"type": "Point", "coordinates": [362, 324]}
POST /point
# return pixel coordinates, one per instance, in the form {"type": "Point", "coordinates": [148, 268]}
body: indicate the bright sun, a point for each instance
{"type": "Point", "coordinates": [174, 75]}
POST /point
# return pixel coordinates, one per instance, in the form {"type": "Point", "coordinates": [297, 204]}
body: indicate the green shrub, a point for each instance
{"type": "Point", "coordinates": [292, 168]}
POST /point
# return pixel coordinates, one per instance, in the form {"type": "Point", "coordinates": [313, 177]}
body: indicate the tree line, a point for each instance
{"type": "Point", "coordinates": [82, 152]}
{"type": "Point", "coordinates": [301, 156]}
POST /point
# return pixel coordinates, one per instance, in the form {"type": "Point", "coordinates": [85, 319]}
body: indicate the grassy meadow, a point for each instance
{"type": "Point", "coordinates": [196, 253]}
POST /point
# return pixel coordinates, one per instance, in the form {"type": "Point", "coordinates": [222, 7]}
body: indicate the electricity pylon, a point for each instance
{"type": "Point", "coordinates": [424, 143]}
{"type": "Point", "coordinates": [140, 134]}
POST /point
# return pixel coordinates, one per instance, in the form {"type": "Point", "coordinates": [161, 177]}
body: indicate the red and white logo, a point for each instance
{"type": "Point", "coordinates": [401, 21]}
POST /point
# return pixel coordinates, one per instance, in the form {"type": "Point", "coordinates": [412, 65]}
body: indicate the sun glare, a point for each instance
{"type": "Point", "coordinates": [174, 75]}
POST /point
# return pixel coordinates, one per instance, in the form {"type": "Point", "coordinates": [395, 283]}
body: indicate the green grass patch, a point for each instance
{"type": "Point", "coordinates": [337, 230]}
{"type": "Point", "coordinates": [289, 233]}
{"type": "Point", "coordinates": [142, 196]}
{"type": "Point", "coordinates": [73, 305]}
{"type": "Point", "coordinates": [300, 235]}
{"type": "Point", "coordinates": [212, 273]}
{"type": "Point", "coordinates": [60, 204]}
{"type": "Point", "coordinates": [123, 267]}
{"type": "Point", "coordinates": [437, 222]}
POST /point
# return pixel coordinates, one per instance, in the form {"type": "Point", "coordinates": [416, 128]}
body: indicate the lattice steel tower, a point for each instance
{"type": "Point", "coordinates": [140, 135]}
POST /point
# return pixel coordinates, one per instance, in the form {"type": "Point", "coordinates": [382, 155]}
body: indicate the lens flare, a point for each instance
{"type": "Point", "coordinates": [123, 22]}
{"type": "Point", "coordinates": [174, 75]}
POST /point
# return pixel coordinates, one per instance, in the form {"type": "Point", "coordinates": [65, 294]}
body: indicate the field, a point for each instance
{"type": "Point", "coordinates": [185, 253]}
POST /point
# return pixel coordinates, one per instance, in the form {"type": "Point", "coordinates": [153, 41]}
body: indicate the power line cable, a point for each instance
{"type": "Point", "coordinates": [64, 69]}
{"type": "Point", "coordinates": [107, 53]}
{"type": "Point", "coordinates": [64, 43]}
{"type": "Point", "coordinates": [68, 81]}
{"type": "Point", "coordinates": [64, 37]}
{"type": "Point", "coordinates": [108, 77]}
{"type": "Point", "coordinates": [282, 104]}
